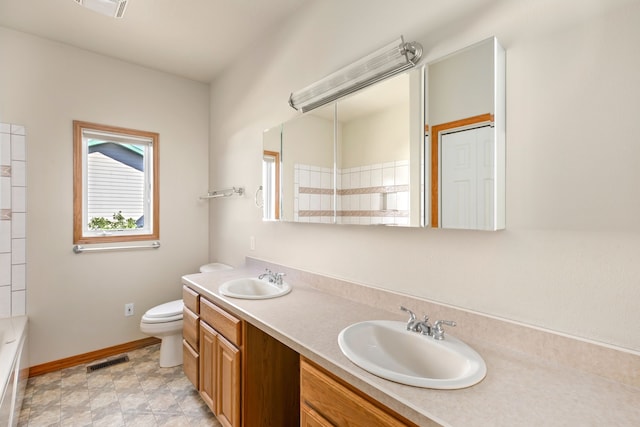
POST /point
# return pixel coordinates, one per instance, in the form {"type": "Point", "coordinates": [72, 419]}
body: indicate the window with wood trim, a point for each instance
{"type": "Point", "coordinates": [115, 184]}
{"type": "Point", "coordinates": [271, 184]}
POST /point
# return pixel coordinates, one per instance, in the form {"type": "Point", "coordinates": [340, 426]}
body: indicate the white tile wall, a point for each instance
{"type": "Point", "coordinates": [13, 220]}
{"type": "Point", "coordinates": [5, 269]}
{"type": "Point", "coordinates": [5, 192]}
{"type": "Point", "coordinates": [5, 301]}
{"type": "Point", "coordinates": [318, 179]}
{"type": "Point", "coordinates": [372, 202]}
{"type": "Point", "coordinates": [362, 195]}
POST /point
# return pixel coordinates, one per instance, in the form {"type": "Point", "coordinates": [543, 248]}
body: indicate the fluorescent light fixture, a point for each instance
{"type": "Point", "coordinates": [385, 62]}
{"type": "Point", "coordinates": [112, 8]}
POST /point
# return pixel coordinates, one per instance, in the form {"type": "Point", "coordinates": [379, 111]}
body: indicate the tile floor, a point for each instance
{"type": "Point", "coordinates": [135, 393]}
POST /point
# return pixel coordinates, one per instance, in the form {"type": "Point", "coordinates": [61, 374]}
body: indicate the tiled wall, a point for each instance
{"type": "Point", "coordinates": [13, 214]}
{"type": "Point", "coordinates": [313, 194]}
{"type": "Point", "coordinates": [373, 194]}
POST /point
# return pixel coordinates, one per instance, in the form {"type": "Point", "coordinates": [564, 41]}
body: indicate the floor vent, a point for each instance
{"type": "Point", "coordinates": [107, 363]}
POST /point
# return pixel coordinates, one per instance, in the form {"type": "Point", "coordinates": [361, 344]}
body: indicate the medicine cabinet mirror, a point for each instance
{"type": "Point", "coordinates": [307, 147]}
{"type": "Point", "coordinates": [466, 135]}
{"type": "Point", "coordinates": [392, 154]}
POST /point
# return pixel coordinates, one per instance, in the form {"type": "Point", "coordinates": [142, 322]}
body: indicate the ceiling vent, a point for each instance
{"type": "Point", "coordinates": [112, 8]}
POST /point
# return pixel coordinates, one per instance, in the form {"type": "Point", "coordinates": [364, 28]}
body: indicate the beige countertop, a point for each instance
{"type": "Point", "coordinates": [520, 389]}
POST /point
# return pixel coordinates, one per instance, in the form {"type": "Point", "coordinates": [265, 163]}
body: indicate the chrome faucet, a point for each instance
{"type": "Point", "coordinates": [412, 322]}
{"type": "Point", "coordinates": [424, 327]}
{"type": "Point", "coordinates": [275, 278]}
{"type": "Point", "coordinates": [438, 332]}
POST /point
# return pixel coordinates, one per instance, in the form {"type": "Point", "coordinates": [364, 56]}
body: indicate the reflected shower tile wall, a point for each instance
{"type": "Point", "coordinates": [374, 194]}
{"type": "Point", "coordinates": [13, 218]}
{"type": "Point", "coordinates": [313, 193]}
{"type": "Point", "coordinates": [369, 194]}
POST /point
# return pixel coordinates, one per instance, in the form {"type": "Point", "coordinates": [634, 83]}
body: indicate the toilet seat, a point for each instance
{"type": "Point", "coordinates": [146, 319]}
{"type": "Point", "coordinates": [163, 313]}
{"type": "Point", "coordinates": [214, 266]}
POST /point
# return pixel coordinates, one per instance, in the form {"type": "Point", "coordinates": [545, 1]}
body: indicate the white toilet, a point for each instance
{"type": "Point", "coordinates": [164, 321]}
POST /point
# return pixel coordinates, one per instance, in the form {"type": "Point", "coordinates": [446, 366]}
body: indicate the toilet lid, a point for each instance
{"type": "Point", "coordinates": [162, 320]}
{"type": "Point", "coordinates": [167, 309]}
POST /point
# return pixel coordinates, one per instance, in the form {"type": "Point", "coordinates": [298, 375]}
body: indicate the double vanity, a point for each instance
{"type": "Point", "coordinates": [328, 352]}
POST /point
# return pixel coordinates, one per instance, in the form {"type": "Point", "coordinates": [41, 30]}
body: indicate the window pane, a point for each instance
{"type": "Point", "coordinates": [116, 181]}
{"type": "Point", "coordinates": [271, 185]}
{"type": "Point", "coordinates": [268, 179]}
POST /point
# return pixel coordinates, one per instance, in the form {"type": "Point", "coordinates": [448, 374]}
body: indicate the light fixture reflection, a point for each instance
{"type": "Point", "coordinates": [111, 8]}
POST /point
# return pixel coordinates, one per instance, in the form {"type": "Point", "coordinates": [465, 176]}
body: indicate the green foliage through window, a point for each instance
{"type": "Point", "coordinates": [118, 223]}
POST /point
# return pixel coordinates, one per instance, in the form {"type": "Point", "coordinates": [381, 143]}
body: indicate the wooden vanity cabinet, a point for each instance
{"type": "Point", "coordinates": [310, 418]}
{"type": "Point", "coordinates": [245, 376]}
{"type": "Point", "coordinates": [220, 359]}
{"type": "Point", "coordinates": [191, 335]}
{"type": "Point", "coordinates": [326, 400]}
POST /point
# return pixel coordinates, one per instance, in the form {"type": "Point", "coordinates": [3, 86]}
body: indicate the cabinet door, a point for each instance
{"type": "Point", "coordinates": [208, 357]}
{"type": "Point", "coordinates": [310, 418]}
{"type": "Point", "coordinates": [190, 363]}
{"type": "Point", "coordinates": [228, 367]}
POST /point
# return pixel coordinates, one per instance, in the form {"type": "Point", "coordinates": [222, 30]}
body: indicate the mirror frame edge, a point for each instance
{"type": "Point", "coordinates": [500, 85]}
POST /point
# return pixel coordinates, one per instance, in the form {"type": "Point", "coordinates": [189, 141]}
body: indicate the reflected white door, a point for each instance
{"type": "Point", "coordinates": [466, 179]}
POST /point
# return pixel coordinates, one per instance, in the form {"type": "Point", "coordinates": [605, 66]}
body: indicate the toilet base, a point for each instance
{"type": "Point", "coordinates": [171, 351]}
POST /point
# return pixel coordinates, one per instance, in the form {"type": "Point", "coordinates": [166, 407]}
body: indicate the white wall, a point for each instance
{"type": "Point", "coordinates": [76, 302]}
{"type": "Point", "coordinates": [568, 259]}
{"type": "Point", "coordinates": [307, 141]}
{"type": "Point", "coordinates": [376, 138]}
{"type": "Point", "coordinates": [462, 85]}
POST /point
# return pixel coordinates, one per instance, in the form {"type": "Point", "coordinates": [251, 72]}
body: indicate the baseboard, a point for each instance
{"type": "Point", "coordinates": [79, 359]}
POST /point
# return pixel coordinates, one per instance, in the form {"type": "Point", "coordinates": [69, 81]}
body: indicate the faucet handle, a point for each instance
{"type": "Point", "coordinates": [411, 313]}
{"type": "Point", "coordinates": [438, 332]}
{"type": "Point", "coordinates": [412, 319]}
{"type": "Point", "coordinates": [266, 274]}
{"type": "Point", "coordinates": [279, 277]}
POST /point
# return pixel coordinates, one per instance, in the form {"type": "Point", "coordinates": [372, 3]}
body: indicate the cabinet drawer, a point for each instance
{"type": "Point", "coordinates": [190, 327]}
{"type": "Point", "coordinates": [190, 363]}
{"type": "Point", "coordinates": [338, 404]}
{"type": "Point", "coordinates": [191, 299]}
{"type": "Point", "coordinates": [229, 326]}
{"type": "Point", "coordinates": [310, 418]}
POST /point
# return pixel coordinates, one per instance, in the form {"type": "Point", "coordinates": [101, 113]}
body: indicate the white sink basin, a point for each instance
{"type": "Point", "coordinates": [252, 288]}
{"type": "Point", "coordinates": [385, 348]}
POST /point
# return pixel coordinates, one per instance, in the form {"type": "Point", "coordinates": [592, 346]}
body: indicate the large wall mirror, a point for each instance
{"type": "Point", "coordinates": [377, 181]}
{"type": "Point", "coordinates": [354, 161]}
{"type": "Point", "coordinates": [366, 158]}
{"type": "Point", "coordinates": [308, 181]}
{"type": "Point", "coordinates": [466, 135]}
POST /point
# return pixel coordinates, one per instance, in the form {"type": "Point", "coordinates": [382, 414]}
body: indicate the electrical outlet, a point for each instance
{"type": "Point", "coordinates": [252, 243]}
{"type": "Point", "coordinates": [128, 309]}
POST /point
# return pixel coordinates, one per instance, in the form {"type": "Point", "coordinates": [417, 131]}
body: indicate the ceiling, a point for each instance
{"type": "Point", "coordinates": [195, 39]}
